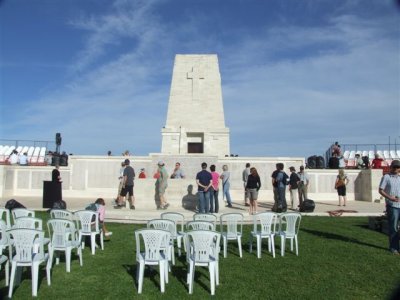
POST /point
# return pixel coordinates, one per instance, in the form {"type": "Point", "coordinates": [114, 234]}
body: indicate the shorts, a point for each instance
{"type": "Point", "coordinates": [253, 194]}
{"type": "Point", "coordinates": [161, 189]}
{"type": "Point", "coordinates": [127, 189]}
{"type": "Point", "coordinates": [341, 190]}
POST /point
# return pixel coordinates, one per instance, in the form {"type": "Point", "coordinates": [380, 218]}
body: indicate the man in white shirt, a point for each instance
{"type": "Point", "coordinates": [23, 159]}
{"type": "Point", "coordinates": [13, 158]}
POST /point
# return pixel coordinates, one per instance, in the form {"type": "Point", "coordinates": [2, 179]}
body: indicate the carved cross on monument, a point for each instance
{"type": "Point", "coordinates": [196, 74]}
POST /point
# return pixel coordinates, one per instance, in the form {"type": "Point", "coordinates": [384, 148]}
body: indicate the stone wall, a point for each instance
{"type": "Point", "coordinates": [97, 176]}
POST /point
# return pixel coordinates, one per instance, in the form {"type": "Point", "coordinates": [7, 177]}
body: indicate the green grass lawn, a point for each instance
{"type": "Point", "coordinates": [339, 258]}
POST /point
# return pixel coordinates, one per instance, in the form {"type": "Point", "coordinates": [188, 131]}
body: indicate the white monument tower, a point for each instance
{"type": "Point", "coordinates": [195, 119]}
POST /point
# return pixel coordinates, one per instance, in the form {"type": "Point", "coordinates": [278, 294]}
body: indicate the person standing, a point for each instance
{"type": "Point", "coordinates": [303, 185]}
{"type": "Point", "coordinates": [55, 174]}
{"type": "Point", "coordinates": [389, 188]}
{"type": "Point", "coordinates": [293, 188]}
{"type": "Point", "coordinates": [275, 188]}
{"type": "Point", "coordinates": [340, 186]}
{"type": "Point", "coordinates": [253, 185]}
{"type": "Point", "coordinates": [225, 176]}
{"type": "Point", "coordinates": [214, 189]}
{"type": "Point", "coordinates": [127, 186]}
{"type": "Point", "coordinates": [121, 181]}
{"type": "Point", "coordinates": [333, 162]}
{"type": "Point", "coordinates": [161, 185]}
{"type": "Point", "coordinates": [204, 182]}
{"type": "Point", "coordinates": [245, 175]}
{"type": "Point", "coordinates": [281, 182]}
{"type": "Point", "coordinates": [178, 172]}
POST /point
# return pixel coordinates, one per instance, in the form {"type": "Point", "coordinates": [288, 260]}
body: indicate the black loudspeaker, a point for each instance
{"type": "Point", "coordinates": [320, 162]}
{"type": "Point", "coordinates": [308, 205]}
{"type": "Point", "coordinates": [58, 139]}
{"type": "Point", "coordinates": [312, 162]}
{"type": "Point", "coordinates": [51, 193]}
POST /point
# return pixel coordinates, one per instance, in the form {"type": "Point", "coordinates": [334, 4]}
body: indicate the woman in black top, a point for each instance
{"type": "Point", "coordinates": [252, 187]}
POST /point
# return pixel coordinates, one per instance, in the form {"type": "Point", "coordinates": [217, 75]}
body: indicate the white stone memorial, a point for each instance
{"type": "Point", "coordinates": [195, 120]}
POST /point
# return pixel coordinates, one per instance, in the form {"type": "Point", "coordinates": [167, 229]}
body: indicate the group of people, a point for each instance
{"type": "Point", "coordinates": [18, 159]}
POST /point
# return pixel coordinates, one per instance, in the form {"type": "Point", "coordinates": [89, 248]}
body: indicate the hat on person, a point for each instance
{"type": "Point", "coordinates": [160, 163]}
{"type": "Point", "coordinates": [395, 163]}
{"type": "Point", "coordinates": [127, 162]}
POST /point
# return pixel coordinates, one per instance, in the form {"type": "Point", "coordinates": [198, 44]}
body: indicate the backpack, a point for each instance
{"type": "Point", "coordinates": [92, 207]}
{"type": "Point", "coordinates": [284, 179]}
{"type": "Point", "coordinates": [12, 203]}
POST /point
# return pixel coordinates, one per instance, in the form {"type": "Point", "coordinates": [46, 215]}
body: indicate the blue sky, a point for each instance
{"type": "Point", "coordinates": [297, 75]}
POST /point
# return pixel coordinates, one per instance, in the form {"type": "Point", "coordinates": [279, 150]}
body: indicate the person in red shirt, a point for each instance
{"type": "Point", "coordinates": [377, 162]}
{"type": "Point", "coordinates": [142, 174]}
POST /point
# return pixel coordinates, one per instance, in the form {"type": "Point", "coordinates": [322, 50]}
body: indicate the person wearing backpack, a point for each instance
{"type": "Point", "coordinates": [293, 186]}
{"type": "Point", "coordinates": [280, 181]}
{"type": "Point", "coordinates": [340, 186]}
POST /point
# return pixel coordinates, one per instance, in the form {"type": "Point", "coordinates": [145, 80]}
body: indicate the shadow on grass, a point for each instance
{"type": "Point", "coordinates": [333, 236]}
{"type": "Point", "coordinates": [149, 271]}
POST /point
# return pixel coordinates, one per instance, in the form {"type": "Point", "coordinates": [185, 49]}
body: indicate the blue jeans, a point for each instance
{"type": "Point", "coordinates": [282, 198]}
{"type": "Point", "coordinates": [226, 193]}
{"type": "Point", "coordinates": [393, 215]}
{"type": "Point", "coordinates": [204, 200]}
{"type": "Point", "coordinates": [214, 200]}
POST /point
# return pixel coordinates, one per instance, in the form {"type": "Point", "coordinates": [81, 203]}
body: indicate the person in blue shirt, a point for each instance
{"type": "Point", "coordinates": [204, 182]}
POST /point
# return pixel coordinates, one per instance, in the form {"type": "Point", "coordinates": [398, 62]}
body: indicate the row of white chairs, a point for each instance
{"type": "Point", "coordinates": [202, 242]}
{"type": "Point", "coordinates": [35, 154]}
{"type": "Point", "coordinates": [27, 239]}
{"type": "Point", "coordinates": [384, 154]}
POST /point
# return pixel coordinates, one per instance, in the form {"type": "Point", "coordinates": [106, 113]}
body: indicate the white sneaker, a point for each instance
{"type": "Point", "coordinates": [108, 233]}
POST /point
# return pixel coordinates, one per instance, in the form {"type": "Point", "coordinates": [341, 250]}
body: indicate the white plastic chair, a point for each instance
{"type": "Point", "coordinates": [264, 226]}
{"type": "Point", "coordinates": [28, 223]}
{"type": "Point", "coordinates": [167, 225]}
{"type": "Point", "coordinates": [232, 230]}
{"type": "Point", "coordinates": [61, 214]}
{"type": "Point", "coordinates": [22, 212]}
{"type": "Point", "coordinates": [206, 217]}
{"type": "Point", "coordinates": [155, 253]}
{"type": "Point", "coordinates": [289, 229]}
{"type": "Point", "coordinates": [25, 256]}
{"type": "Point", "coordinates": [200, 225]}
{"type": "Point", "coordinates": [63, 237]}
{"type": "Point", "coordinates": [5, 215]}
{"type": "Point", "coordinates": [202, 251]}
{"type": "Point", "coordinates": [179, 220]}
{"type": "Point", "coordinates": [87, 227]}
{"type": "Point", "coordinates": [4, 243]}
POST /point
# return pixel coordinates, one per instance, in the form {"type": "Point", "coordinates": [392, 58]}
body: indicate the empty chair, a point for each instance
{"type": "Point", "coordinates": [151, 250]}
{"type": "Point", "coordinates": [90, 228]}
{"type": "Point", "coordinates": [18, 149]}
{"type": "Point", "coordinates": [30, 152]}
{"type": "Point", "coordinates": [393, 154]}
{"type": "Point", "coordinates": [5, 216]}
{"type": "Point", "coordinates": [346, 154]}
{"type": "Point", "coordinates": [364, 153]}
{"type": "Point", "coordinates": [264, 226]}
{"type": "Point", "coordinates": [290, 223]}
{"type": "Point", "coordinates": [22, 212]}
{"type": "Point", "coordinates": [202, 251]}
{"type": "Point", "coordinates": [206, 217]}
{"type": "Point", "coordinates": [63, 237]}
{"type": "Point", "coordinates": [386, 154]}
{"type": "Point", "coordinates": [200, 225]}
{"type": "Point", "coordinates": [371, 154]}
{"type": "Point", "coordinates": [380, 153]}
{"type": "Point", "coordinates": [231, 229]}
{"type": "Point", "coordinates": [179, 220]}
{"type": "Point", "coordinates": [35, 155]}
{"type": "Point", "coordinates": [24, 242]}
{"type": "Point", "coordinates": [168, 225]}
{"type": "Point", "coordinates": [4, 243]}
{"type": "Point", "coordinates": [42, 154]}
{"type": "Point", "coordinates": [352, 154]}
{"type": "Point", "coordinates": [28, 223]}
{"type": "Point", "coordinates": [61, 214]}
